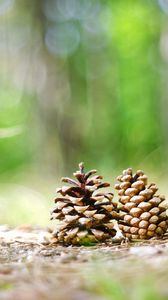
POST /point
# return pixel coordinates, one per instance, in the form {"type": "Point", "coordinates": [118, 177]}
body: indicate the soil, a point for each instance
{"type": "Point", "coordinates": [32, 268]}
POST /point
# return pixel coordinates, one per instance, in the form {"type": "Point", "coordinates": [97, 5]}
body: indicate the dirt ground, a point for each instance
{"type": "Point", "coordinates": [31, 268]}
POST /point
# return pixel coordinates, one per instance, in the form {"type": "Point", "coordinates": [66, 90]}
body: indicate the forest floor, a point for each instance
{"type": "Point", "coordinates": [33, 269]}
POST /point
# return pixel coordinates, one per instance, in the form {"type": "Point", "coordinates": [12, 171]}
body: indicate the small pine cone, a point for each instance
{"type": "Point", "coordinates": [142, 214]}
{"type": "Point", "coordinates": [86, 216]}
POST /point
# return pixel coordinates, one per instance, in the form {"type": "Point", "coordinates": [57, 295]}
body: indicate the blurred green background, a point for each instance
{"type": "Point", "coordinates": [80, 80]}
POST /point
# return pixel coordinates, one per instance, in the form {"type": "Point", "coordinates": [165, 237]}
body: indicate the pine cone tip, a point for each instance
{"type": "Point", "coordinates": [81, 167]}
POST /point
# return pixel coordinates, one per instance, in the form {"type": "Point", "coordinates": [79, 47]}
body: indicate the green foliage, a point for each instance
{"type": "Point", "coordinates": [5, 286]}
{"type": "Point", "coordinates": [88, 241]}
{"type": "Point", "coordinates": [14, 135]}
{"type": "Point", "coordinates": [126, 124]}
{"type": "Point", "coordinates": [136, 34]}
{"type": "Point", "coordinates": [111, 288]}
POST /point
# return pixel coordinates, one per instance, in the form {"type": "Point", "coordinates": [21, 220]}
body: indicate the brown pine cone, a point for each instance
{"type": "Point", "coordinates": [86, 216]}
{"type": "Point", "coordinates": [142, 214]}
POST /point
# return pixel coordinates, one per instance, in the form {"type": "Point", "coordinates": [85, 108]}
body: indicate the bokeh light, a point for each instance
{"type": "Point", "coordinates": [164, 5]}
{"type": "Point", "coordinates": [5, 5]}
{"type": "Point", "coordinates": [62, 39]}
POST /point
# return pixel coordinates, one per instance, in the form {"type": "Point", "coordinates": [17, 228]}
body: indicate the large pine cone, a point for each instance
{"type": "Point", "coordinates": [86, 215]}
{"type": "Point", "coordinates": [142, 214]}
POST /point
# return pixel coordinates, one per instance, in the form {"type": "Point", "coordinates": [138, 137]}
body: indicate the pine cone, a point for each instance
{"type": "Point", "coordinates": [142, 215]}
{"type": "Point", "coordinates": [86, 215]}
